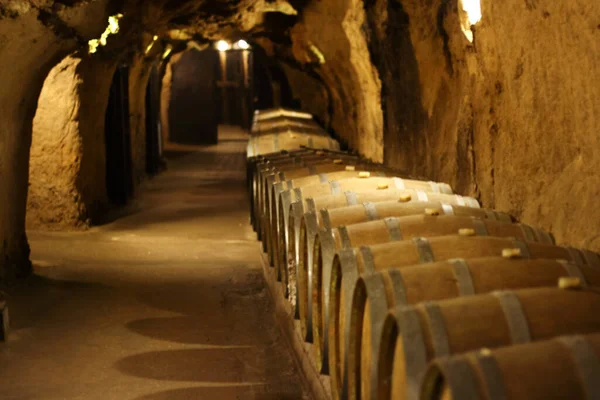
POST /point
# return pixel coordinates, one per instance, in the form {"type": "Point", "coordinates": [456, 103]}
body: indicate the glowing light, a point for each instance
{"type": "Point", "coordinates": [242, 44]}
{"type": "Point", "coordinates": [111, 29]}
{"type": "Point", "coordinates": [470, 16]}
{"type": "Point", "coordinates": [222, 45]}
{"type": "Point", "coordinates": [473, 10]}
{"type": "Point", "coordinates": [167, 52]}
{"type": "Point", "coordinates": [317, 53]}
{"type": "Point", "coordinates": [151, 45]}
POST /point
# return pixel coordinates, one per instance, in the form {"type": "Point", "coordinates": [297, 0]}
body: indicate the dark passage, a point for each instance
{"type": "Point", "coordinates": [119, 182]}
{"type": "Point", "coordinates": [193, 111]}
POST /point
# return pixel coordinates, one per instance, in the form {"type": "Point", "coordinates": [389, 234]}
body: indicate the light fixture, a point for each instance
{"type": "Point", "coordinates": [242, 44]}
{"type": "Point", "coordinates": [470, 15]}
{"type": "Point", "coordinates": [222, 45]}
{"type": "Point", "coordinates": [168, 51]}
{"type": "Point", "coordinates": [111, 29]}
{"type": "Point", "coordinates": [151, 45]}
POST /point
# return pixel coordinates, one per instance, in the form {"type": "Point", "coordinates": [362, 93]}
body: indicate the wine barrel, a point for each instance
{"type": "Point", "coordinates": [438, 329]}
{"type": "Point", "coordinates": [376, 294]}
{"type": "Point", "coordinates": [334, 217]}
{"type": "Point", "coordinates": [349, 264]}
{"type": "Point", "coordinates": [266, 114]}
{"type": "Point", "coordinates": [565, 367]}
{"type": "Point", "coordinates": [358, 170]}
{"type": "Point", "coordinates": [283, 123]}
{"type": "Point", "coordinates": [264, 201]}
{"type": "Point", "coordinates": [253, 163]}
{"type": "Point", "coordinates": [267, 168]}
{"type": "Point", "coordinates": [273, 143]}
{"type": "Point", "coordinates": [328, 242]}
{"type": "Point", "coordinates": [270, 184]}
{"type": "Point", "coordinates": [350, 188]}
{"type": "Point", "coordinates": [298, 223]}
{"type": "Point", "coordinates": [290, 164]}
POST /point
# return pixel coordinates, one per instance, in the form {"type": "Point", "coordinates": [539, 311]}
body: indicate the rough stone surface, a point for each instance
{"type": "Point", "coordinates": [511, 118]}
{"type": "Point", "coordinates": [330, 36]}
{"type": "Point", "coordinates": [67, 162]}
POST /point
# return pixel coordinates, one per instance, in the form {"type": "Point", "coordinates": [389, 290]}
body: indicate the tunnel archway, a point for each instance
{"type": "Point", "coordinates": [193, 109]}
{"type": "Point", "coordinates": [119, 180]}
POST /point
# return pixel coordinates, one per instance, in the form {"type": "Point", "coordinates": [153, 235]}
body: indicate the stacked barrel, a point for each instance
{"type": "Point", "coordinates": [407, 290]}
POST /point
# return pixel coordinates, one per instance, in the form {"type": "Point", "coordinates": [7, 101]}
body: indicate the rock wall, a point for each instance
{"type": "Point", "coordinates": [30, 47]}
{"type": "Point", "coordinates": [330, 38]}
{"type": "Point", "coordinates": [510, 118]}
{"type": "Point", "coordinates": [67, 161]}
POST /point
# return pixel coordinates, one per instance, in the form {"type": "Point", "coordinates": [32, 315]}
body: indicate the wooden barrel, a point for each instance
{"type": "Point", "coordinates": [296, 223]}
{"type": "Point", "coordinates": [438, 329]}
{"type": "Point", "coordinates": [290, 164]}
{"type": "Point", "coordinates": [360, 170]}
{"type": "Point", "coordinates": [253, 163]}
{"type": "Point", "coordinates": [376, 294]}
{"type": "Point", "coordinates": [349, 264]}
{"type": "Point", "coordinates": [565, 367]}
{"type": "Point", "coordinates": [350, 188]}
{"type": "Point", "coordinates": [280, 126]}
{"type": "Point", "coordinates": [265, 186]}
{"type": "Point", "coordinates": [270, 184]}
{"type": "Point", "coordinates": [328, 242]}
{"type": "Point", "coordinates": [271, 113]}
{"type": "Point", "coordinates": [273, 143]}
{"type": "Point", "coordinates": [334, 217]}
{"type": "Point", "coordinates": [259, 127]}
{"type": "Point", "coordinates": [272, 192]}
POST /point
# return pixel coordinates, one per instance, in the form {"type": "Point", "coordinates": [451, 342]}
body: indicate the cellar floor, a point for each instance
{"type": "Point", "coordinates": [167, 301]}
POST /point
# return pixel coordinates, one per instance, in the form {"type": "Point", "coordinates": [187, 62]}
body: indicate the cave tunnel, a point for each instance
{"type": "Point", "coordinates": [299, 199]}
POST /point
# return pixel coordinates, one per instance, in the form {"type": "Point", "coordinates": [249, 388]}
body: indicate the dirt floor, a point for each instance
{"type": "Point", "coordinates": [166, 302]}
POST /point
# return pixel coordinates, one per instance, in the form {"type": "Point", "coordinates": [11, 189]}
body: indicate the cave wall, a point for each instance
{"type": "Point", "coordinates": [67, 184]}
{"type": "Point", "coordinates": [510, 118]}
{"type": "Point", "coordinates": [31, 46]}
{"type": "Point", "coordinates": [330, 38]}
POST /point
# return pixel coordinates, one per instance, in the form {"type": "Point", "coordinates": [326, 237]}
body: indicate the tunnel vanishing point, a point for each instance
{"type": "Point", "coordinates": [98, 98]}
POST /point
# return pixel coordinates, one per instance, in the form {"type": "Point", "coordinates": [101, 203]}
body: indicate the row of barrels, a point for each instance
{"type": "Point", "coordinates": [407, 290]}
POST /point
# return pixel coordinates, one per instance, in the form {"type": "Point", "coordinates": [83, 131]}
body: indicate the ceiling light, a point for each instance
{"type": "Point", "coordinates": [222, 45]}
{"type": "Point", "coordinates": [242, 44]}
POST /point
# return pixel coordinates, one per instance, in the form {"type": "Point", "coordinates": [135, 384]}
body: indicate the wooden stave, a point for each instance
{"type": "Point", "coordinates": [526, 301]}
{"type": "Point", "coordinates": [577, 358]}
{"type": "Point", "coordinates": [324, 251]}
{"type": "Point", "coordinates": [295, 230]}
{"type": "Point", "coordinates": [348, 266]}
{"type": "Point", "coordinates": [272, 230]}
{"type": "Point", "coordinates": [261, 203]}
{"type": "Point", "coordinates": [306, 160]}
{"type": "Point", "coordinates": [272, 192]}
{"type": "Point", "coordinates": [297, 219]}
{"type": "Point", "coordinates": [401, 287]}
{"type": "Point", "coordinates": [288, 197]}
{"type": "Point", "coordinates": [309, 232]}
{"type": "Point", "coordinates": [254, 163]}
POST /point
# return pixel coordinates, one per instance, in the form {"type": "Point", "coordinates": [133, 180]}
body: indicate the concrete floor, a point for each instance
{"type": "Point", "coordinates": [166, 302]}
